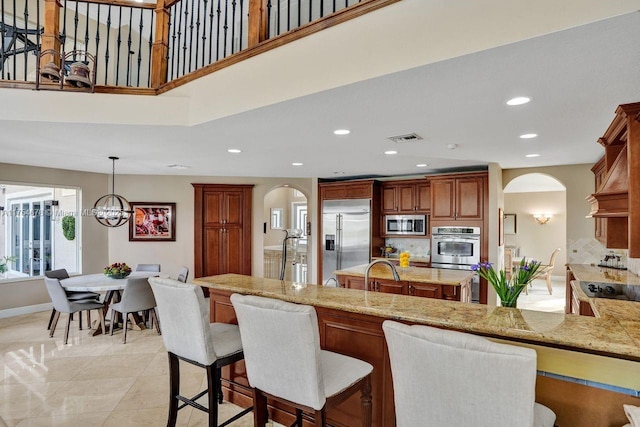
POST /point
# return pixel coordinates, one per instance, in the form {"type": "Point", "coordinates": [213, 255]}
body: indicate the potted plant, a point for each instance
{"type": "Point", "coordinates": [509, 290]}
{"type": "Point", "coordinates": [4, 261]}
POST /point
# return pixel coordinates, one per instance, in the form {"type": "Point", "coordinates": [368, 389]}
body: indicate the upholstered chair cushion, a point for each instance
{"type": "Point", "coordinates": [148, 267]}
{"type": "Point", "coordinates": [282, 352]}
{"type": "Point", "coordinates": [186, 330]}
{"type": "Point", "coordinates": [443, 377]}
{"type": "Point", "coordinates": [137, 296]}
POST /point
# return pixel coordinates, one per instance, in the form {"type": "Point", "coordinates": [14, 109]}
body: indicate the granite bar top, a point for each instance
{"type": "Point", "coordinates": [606, 335]}
{"type": "Point", "coordinates": [438, 276]}
{"type": "Point", "coordinates": [590, 273]}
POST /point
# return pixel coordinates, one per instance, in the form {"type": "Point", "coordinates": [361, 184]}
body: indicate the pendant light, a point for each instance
{"type": "Point", "coordinates": [112, 210]}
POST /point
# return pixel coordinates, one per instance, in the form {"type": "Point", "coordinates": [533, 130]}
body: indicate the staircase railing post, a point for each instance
{"type": "Point", "coordinates": [160, 45]}
{"type": "Point", "coordinates": [50, 36]}
{"type": "Point", "coordinates": [257, 22]}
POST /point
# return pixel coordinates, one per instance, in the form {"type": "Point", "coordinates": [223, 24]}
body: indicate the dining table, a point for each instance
{"type": "Point", "coordinates": [104, 284]}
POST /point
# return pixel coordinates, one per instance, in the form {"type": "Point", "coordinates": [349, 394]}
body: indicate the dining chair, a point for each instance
{"type": "Point", "coordinates": [148, 267]}
{"type": "Point", "coordinates": [61, 303]}
{"type": "Point", "coordinates": [188, 336]}
{"type": "Point", "coordinates": [548, 269]}
{"type": "Point", "coordinates": [71, 295]}
{"type": "Point", "coordinates": [137, 296]}
{"type": "Point", "coordinates": [448, 378]}
{"type": "Point", "coordinates": [284, 362]}
{"type": "Point", "coordinates": [182, 276]}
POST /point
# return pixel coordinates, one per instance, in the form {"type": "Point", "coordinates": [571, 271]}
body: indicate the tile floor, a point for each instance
{"type": "Point", "coordinates": [92, 381]}
{"type": "Point", "coordinates": [539, 299]}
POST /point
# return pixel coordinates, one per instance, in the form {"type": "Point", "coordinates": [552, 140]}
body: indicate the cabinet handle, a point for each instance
{"type": "Point", "coordinates": [410, 289]}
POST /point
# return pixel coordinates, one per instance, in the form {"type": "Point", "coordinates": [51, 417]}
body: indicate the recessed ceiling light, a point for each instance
{"type": "Point", "coordinates": [452, 146]}
{"type": "Point", "coordinates": [296, 164]}
{"type": "Point", "coordinates": [532, 155]}
{"type": "Point", "coordinates": [338, 173]}
{"type": "Point", "coordinates": [234, 150]}
{"type": "Point", "coordinates": [178, 167]}
{"type": "Point", "coordinates": [342, 131]}
{"type": "Point", "coordinates": [519, 100]}
{"type": "Point", "coordinates": [528, 135]}
{"type": "Point", "coordinates": [421, 165]}
{"type": "Point", "coordinates": [391, 152]}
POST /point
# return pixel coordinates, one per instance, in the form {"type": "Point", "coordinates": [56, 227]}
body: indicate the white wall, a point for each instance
{"type": "Point", "coordinates": [534, 240]}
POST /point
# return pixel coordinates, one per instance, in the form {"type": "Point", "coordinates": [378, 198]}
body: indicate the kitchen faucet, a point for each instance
{"type": "Point", "coordinates": [396, 276]}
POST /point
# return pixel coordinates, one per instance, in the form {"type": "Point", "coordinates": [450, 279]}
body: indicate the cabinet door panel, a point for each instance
{"type": "Point", "coordinates": [211, 251]}
{"type": "Point", "coordinates": [423, 198]}
{"type": "Point", "coordinates": [406, 202]}
{"type": "Point", "coordinates": [352, 282]}
{"type": "Point", "coordinates": [442, 199]}
{"type": "Point", "coordinates": [391, 287]}
{"type": "Point", "coordinates": [389, 199]}
{"type": "Point", "coordinates": [232, 247]}
{"type": "Point", "coordinates": [213, 208]}
{"type": "Point", "coordinates": [425, 290]}
{"type": "Point", "coordinates": [470, 196]}
{"type": "Point", "coordinates": [233, 207]}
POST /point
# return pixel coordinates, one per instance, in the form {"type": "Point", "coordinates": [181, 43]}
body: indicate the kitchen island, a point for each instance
{"type": "Point", "coordinates": [590, 351]}
{"type": "Point", "coordinates": [454, 285]}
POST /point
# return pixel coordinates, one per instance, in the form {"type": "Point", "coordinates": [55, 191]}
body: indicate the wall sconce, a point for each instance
{"type": "Point", "coordinates": [542, 218]}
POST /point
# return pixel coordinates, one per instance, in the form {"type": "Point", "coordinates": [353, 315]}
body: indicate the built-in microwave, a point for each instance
{"type": "Point", "coordinates": [405, 225]}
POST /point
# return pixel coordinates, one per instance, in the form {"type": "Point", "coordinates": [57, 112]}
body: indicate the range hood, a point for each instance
{"type": "Point", "coordinates": [611, 200]}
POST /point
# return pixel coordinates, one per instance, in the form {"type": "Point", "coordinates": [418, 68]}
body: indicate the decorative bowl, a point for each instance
{"type": "Point", "coordinates": [117, 275]}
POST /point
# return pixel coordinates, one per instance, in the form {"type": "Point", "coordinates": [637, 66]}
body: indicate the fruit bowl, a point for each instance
{"type": "Point", "coordinates": [121, 275]}
{"type": "Point", "coordinates": [117, 270]}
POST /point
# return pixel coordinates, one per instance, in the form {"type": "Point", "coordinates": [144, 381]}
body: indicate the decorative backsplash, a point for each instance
{"type": "Point", "coordinates": [591, 251]}
{"type": "Point", "coordinates": [417, 248]}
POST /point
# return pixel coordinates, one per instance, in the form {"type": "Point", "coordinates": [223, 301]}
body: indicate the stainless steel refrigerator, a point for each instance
{"type": "Point", "coordinates": [346, 234]}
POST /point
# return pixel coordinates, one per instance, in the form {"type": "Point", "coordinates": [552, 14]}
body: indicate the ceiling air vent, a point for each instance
{"type": "Point", "coordinates": [410, 137]}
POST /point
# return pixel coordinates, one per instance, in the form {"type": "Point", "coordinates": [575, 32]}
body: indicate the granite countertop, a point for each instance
{"type": "Point", "coordinates": [623, 311]}
{"type": "Point", "coordinates": [438, 276]}
{"type": "Point", "coordinates": [607, 335]}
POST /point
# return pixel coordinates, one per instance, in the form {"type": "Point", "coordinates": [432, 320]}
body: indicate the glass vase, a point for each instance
{"type": "Point", "coordinates": [509, 303]}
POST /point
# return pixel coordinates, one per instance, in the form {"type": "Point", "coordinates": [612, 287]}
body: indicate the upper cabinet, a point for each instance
{"type": "Point", "coordinates": [347, 190]}
{"type": "Point", "coordinates": [615, 205]}
{"type": "Point", "coordinates": [456, 198]}
{"type": "Point", "coordinates": [406, 197]}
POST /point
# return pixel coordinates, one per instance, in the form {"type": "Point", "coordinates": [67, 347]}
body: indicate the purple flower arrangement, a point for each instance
{"type": "Point", "coordinates": [509, 290]}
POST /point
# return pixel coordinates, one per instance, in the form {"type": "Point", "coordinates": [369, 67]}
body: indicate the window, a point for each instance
{"type": "Point", "coordinates": [299, 219]}
{"type": "Point", "coordinates": [32, 234]}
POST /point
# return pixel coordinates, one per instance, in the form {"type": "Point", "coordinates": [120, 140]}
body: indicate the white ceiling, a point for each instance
{"type": "Point", "coordinates": [577, 77]}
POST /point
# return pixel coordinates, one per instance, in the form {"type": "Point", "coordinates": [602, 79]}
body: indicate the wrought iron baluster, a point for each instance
{"type": "Point", "coordinates": [197, 50]}
{"type": "Point", "coordinates": [334, 5]}
{"type": "Point", "coordinates": [75, 32]}
{"type": "Point", "coordinates": [63, 36]}
{"type": "Point", "coordinates": [321, 8]}
{"type": "Point", "coordinates": [268, 18]}
{"type": "Point", "coordinates": [184, 46]}
{"type": "Point", "coordinates": [86, 28]}
{"type": "Point", "coordinates": [177, 52]}
{"type": "Point", "coordinates": [191, 34]}
{"type": "Point", "coordinates": [118, 45]}
{"type": "Point", "coordinates": [233, 25]}
{"type": "Point", "coordinates": [218, 32]}
{"type": "Point", "coordinates": [13, 59]}
{"type": "Point", "coordinates": [299, 12]}
{"type": "Point", "coordinates": [151, 12]}
{"type": "Point", "coordinates": [106, 55]}
{"type": "Point", "coordinates": [2, 30]}
{"type": "Point", "coordinates": [172, 23]}
{"type": "Point", "coordinates": [204, 30]}
{"type": "Point", "coordinates": [211, 16]}
{"type": "Point", "coordinates": [241, 24]}
{"type": "Point", "coordinates": [140, 29]}
{"type": "Point", "coordinates": [97, 40]}
{"type": "Point", "coordinates": [277, 17]}
{"type": "Point", "coordinates": [288, 15]}
{"type": "Point", "coordinates": [39, 46]}
{"type": "Point", "coordinates": [311, 10]}
{"type": "Point", "coordinates": [129, 51]}
{"type": "Point", "coordinates": [226, 27]}
{"type": "Point", "coordinates": [24, 33]}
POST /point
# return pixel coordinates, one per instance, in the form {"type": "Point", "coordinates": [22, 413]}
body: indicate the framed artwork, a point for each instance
{"type": "Point", "coordinates": [510, 224]}
{"type": "Point", "coordinates": [152, 222]}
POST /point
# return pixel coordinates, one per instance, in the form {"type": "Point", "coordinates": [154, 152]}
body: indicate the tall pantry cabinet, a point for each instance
{"type": "Point", "coordinates": [222, 238]}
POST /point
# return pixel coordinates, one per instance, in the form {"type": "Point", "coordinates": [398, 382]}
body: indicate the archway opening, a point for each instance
{"type": "Point", "coordinates": [535, 208]}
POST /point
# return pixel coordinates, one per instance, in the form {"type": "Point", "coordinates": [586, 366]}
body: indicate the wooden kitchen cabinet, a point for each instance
{"type": "Point", "coordinates": [458, 197]}
{"type": "Point", "coordinates": [347, 190]}
{"type": "Point", "coordinates": [611, 232]}
{"type": "Point", "coordinates": [417, 289]}
{"type": "Point", "coordinates": [406, 197]}
{"type": "Point", "coordinates": [425, 290]}
{"type": "Point", "coordinates": [222, 241]}
{"type": "Point", "coordinates": [389, 286]}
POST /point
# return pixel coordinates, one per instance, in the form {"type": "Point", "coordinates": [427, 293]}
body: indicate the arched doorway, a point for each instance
{"type": "Point", "coordinates": [285, 213]}
{"type": "Point", "coordinates": [535, 208]}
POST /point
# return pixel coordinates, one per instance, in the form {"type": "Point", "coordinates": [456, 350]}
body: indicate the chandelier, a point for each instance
{"type": "Point", "coordinates": [112, 210]}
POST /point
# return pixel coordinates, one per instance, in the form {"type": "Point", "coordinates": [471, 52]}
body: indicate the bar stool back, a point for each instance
{"type": "Point", "coordinates": [447, 378]}
{"type": "Point", "coordinates": [188, 336]}
{"type": "Point", "coordinates": [284, 361]}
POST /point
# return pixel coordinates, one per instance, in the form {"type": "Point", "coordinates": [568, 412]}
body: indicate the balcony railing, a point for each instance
{"type": "Point", "coordinates": [149, 48]}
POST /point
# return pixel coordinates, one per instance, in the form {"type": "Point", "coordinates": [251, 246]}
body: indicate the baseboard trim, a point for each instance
{"type": "Point", "coordinates": [10, 312]}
